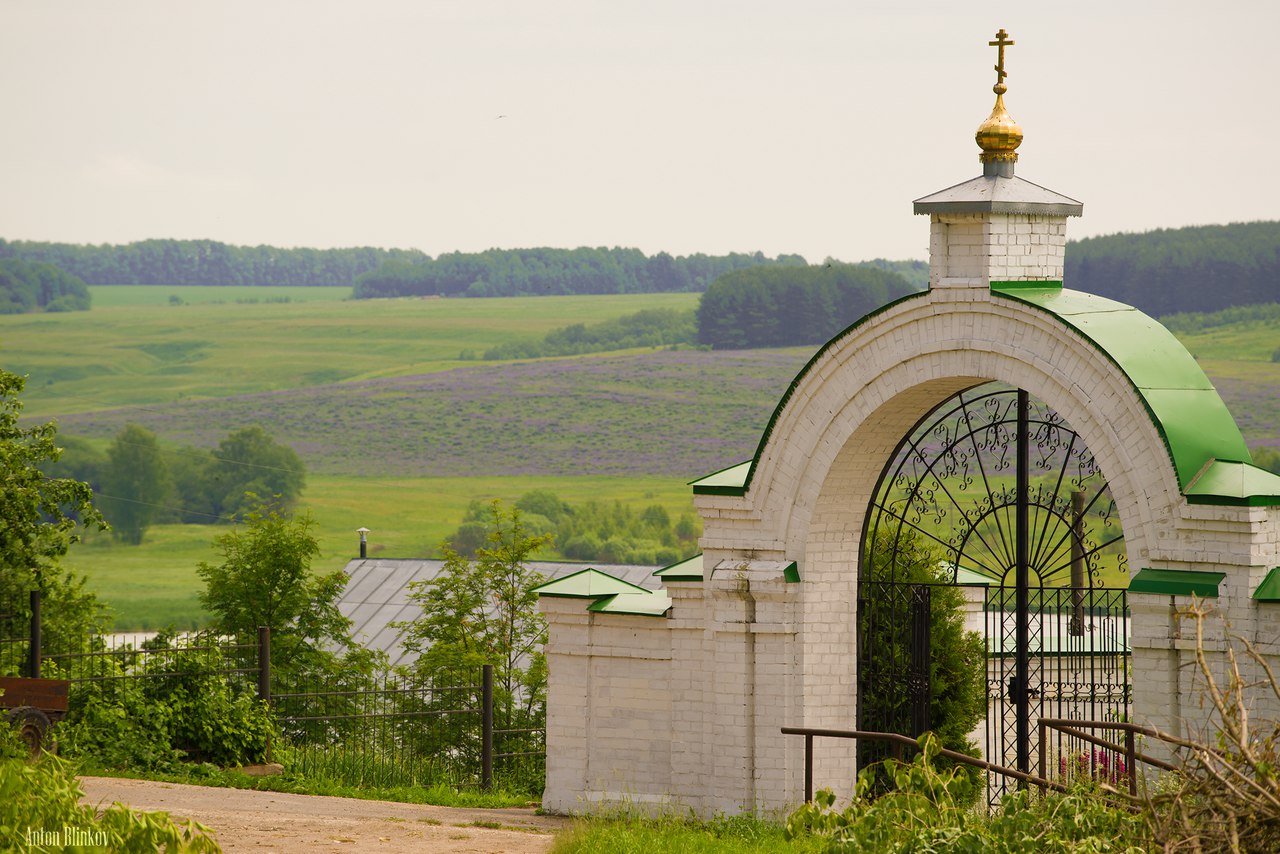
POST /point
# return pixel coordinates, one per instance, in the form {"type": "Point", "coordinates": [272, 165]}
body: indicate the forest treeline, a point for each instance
{"type": "Point", "coordinates": [1197, 269]}
{"type": "Point", "coordinates": [27, 286]}
{"type": "Point", "coordinates": [205, 262]}
{"type": "Point", "coordinates": [1168, 271]}
{"type": "Point", "coordinates": [545, 271]}
{"type": "Point", "coordinates": [771, 307]}
{"type": "Point", "coordinates": [756, 307]}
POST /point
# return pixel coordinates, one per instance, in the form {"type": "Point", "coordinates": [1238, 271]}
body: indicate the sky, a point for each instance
{"type": "Point", "coordinates": [694, 126]}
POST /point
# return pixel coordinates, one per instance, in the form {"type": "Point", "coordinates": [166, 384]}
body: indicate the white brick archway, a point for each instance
{"type": "Point", "coordinates": [675, 699]}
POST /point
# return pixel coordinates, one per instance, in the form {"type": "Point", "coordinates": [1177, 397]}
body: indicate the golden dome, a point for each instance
{"type": "Point", "coordinates": [999, 136]}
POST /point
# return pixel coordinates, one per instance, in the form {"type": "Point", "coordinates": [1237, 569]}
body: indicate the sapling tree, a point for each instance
{"type": "Point", "coordinates": [265, 579]}
{"type": "Point", "coordinates": [482, 611]}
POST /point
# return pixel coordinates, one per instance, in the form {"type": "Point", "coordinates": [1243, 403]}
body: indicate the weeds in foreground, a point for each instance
{"type": "Point", "coordinates": [1227, 797]}
{"type": "Point", "coordinates": [928, 809]}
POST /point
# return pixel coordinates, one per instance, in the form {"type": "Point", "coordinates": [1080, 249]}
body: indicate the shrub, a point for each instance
{"type": "Point", "coordinates": [44, 798]}
{"type": "Point", "coordinates": [926, 809]}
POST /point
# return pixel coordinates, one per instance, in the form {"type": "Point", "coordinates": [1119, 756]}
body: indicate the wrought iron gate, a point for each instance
{"type": "Point", "coordinates": [992, 494]}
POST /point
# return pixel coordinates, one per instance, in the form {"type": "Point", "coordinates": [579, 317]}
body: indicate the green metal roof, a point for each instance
{"type": "Point", "coordinates": [1231, 482]}
{"type": "Point", "coordinates": [611, 595]}
{"type": "Point", "coordinates": [1183, 404]}
{"type": "Point", "coordinates": [587, 584]}
{"type": "Point", "coordinates": [689, 569]}
{"type": "Point", "coordinates": [1269, 589]}
{"type": "Point", "coordinates": [651, 603]}
{"type": "Point", "coordinates": [1176, 582]}
{"type": "Point", "coordinates": [730, 481]}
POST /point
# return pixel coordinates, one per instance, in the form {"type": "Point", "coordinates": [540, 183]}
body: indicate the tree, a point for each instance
{"type": "Point", "coordinates": [250, 461]}
{"type": "Point", "coordinates": [482, 611]}
{"type": "Point", "coordinates": [265, 579]}
{"type": "Point", "coordinates": [958, 658]}
{"type": "Point", "coordinates": [39, 514]}
{"type": "Point", "coordinates": [135, 483]}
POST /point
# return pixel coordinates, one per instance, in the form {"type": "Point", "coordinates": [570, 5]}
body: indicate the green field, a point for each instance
{"type": "Point", "coordinates": [403, 450]}
{"type": "Point", "coordinates": [141, 355]}
{"type": "Point", "coordinates": [115, 296]}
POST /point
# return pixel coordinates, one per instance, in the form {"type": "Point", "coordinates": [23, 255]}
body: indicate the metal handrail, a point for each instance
{"type": "Point", "coordinates": [1131, 731]}
{"type": "Point", "coordinates": [898, 742]}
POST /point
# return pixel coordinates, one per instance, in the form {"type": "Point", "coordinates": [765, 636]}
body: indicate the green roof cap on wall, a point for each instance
{"type": "Point", "coordinates": [1183, 404]}
{"type": "Point", "coordinates": [1176, 582]}
{"type": "Point", "coordinates": [651, 603]}
{"type": "Point", "coordinates": [689, 569]}
{"type": "Point", "coordinates": [1231, 482]}
{"type": "Point", "coordinates": [730, 481]}
{"type": "Point", "coordinates": [587, 584]}
{"type": "Point", "coordinates": [1269, 589]}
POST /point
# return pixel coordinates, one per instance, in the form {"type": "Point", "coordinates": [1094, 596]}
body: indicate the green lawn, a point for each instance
{"type": "Point", "coordinates": [155, 584]}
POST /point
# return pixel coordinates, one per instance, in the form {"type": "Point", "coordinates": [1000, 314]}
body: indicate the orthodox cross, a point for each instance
{"type": "Point", "coordinates": [1001, 42]}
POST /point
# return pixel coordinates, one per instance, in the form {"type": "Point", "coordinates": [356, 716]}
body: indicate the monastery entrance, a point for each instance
{"type": "Point", "coordinates": [998, 444]}
{"type": "Point", "coordinates": [991, 513]}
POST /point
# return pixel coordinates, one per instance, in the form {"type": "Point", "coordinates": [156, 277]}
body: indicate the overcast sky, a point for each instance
{"type": "Point", "coordinates": [796, 126]}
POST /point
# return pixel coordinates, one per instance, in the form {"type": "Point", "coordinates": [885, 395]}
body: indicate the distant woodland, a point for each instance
{"type": "Point", "coordinates": [206, 262]}
{"type": "Point", "coordinates": [519, 272]}
{"type": "Point", "coordinates": [772, 307]}
{"type": "Point", "coordinates": [1199, 269]}
{"type": "Point", "coordinates": [1196, 269]}
{"type": "Point", "coordinates": [27, 286]}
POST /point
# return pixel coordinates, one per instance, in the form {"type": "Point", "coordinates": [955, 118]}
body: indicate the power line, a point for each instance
{"type": "Point", "coordinates": [160, 506]}
{"type": "Point", "coordinates": [195, 453]}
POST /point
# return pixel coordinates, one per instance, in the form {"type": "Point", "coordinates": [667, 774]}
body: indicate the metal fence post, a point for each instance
{"type": "Point", "coordinates": [486, 729]}
{"type": "Point", "coordinates": [264, 663]}
{"type": "Point", "coordinates": [33, 664]}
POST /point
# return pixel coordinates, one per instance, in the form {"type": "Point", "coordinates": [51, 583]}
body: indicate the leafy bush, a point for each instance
{"type": "Point", "coordinates": [40, 809]}
{"type": "Point", "coordinates": [148, 710]}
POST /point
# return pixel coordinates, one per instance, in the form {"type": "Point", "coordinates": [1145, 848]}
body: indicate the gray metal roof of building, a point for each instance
{"type": "Point", "coordinates": [377, 595]}
{"type": "Point", "coordinates": [998, 194]}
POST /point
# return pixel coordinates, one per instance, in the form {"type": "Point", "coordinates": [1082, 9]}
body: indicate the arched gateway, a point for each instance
{"type": "Point", "coordinates": [676, 698]}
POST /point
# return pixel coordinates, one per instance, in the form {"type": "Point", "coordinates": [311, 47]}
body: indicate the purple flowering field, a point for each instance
{"type": "Point", "coordinates": [664, 413]}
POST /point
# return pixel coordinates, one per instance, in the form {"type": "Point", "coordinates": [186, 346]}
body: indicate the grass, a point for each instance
{"type": "Point", "coordinates": [115, 296]}
{"type": "Point", "coordinates": [155, 584]}
{"type": "Point", "coordinates": [670, 835]}
{"type": "Point", "coordinates": [147, 355]}
{"type": "Point", "coordinates": [211, 775]}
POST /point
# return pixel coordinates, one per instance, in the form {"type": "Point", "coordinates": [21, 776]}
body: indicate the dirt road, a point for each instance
{"type": "Point", "coordinates": [267, 822]}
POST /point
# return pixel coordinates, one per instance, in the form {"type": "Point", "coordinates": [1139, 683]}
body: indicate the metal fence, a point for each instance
{"type": "Point", "coordinates": [381, 729]}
